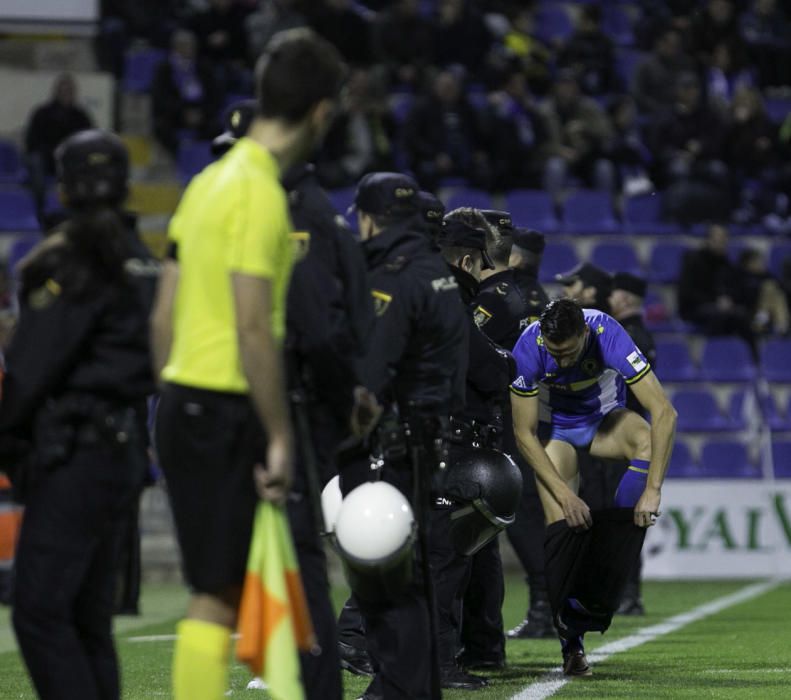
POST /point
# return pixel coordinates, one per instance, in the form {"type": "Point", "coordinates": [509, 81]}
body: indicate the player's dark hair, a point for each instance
{"type": "Point", "coordinates": [297, 71]}
{"type": "Point", "coordinates": [561, 320]}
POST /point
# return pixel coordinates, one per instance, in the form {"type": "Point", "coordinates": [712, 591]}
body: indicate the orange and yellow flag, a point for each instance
{"type": "Point", "coordinates": [274, 621]}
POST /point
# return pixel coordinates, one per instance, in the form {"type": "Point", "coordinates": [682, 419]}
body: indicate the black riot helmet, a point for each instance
{"type": "Point", "coordinates": [487, 486]}
{"type": "Point", "coordinates": [92, 168]}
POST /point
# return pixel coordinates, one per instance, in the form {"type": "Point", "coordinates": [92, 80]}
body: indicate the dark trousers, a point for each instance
{"type": "Point", "coordinates": [351, 629]}
{"type": "Point", "coordinates": [321, 672]}
{"type": "Point", "coordinates": [482, 634]}
{"type": "Point", "coordinates": [65, 574]}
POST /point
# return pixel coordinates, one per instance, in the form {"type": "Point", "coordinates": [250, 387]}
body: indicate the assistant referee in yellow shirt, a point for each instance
{"type": "Point", "coordinates": [223, 428]}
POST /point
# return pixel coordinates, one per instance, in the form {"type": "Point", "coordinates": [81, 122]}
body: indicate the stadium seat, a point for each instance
{"type": "Point", "coordinates": [698, 412]}
{"type": "Point", "coordinates": [777, 108]}
{"type": "Point", "coordinates": [781, 457]}
{"type": "Point", "coordinates": [342, 199]}
{"type": "Point", "coordinates": [774, 418]}
{"type": "Point", "coordinates": [558, 257]}
{"type": "Point", "coordinates": [17, 211]}
{"type": "Point", "coordinates": [617, 257]}
{"type": "Point", "coordinates": [681, 465]}
{"type": "Point", "coordinates": [778, 254]}
{"type": "Point", "coordinates": [742, 408]}
{"type": "Point", "coordinates": [664, 265]}
{"type": "Point", "coordinates": [727, 459]}
{"type": "Point", "coordinates": [11, 168]}
{"type": "Point", "coordinates": [193, 157]}
{"type": "Point", "coordinates": [140, 67]}
{"type": "Point", "coordinates": [674, 363]}
{"type": "Point", "coordinates": [19, 249]}
{"type": "Point", "coordinates": [532, 209]}
{"type": "Point", "coordinates": [468, 197]}
{"type": "Point", "coordinates": [552, 22]}
{"type": "Point", "coordinates": [626, 62]}
{"type": "Point", "coordinates": [589, 212]}
{"type": "Point", "coordinates": [401, 104]}
{"type": "Point", "coordinates": [727, 360]}
{"type": "Point", "coordinates": [776, 360]}
{"type": "Point", "coordinates": [616, 24]}
{"type": "Point", "coordinates": [642, 215]}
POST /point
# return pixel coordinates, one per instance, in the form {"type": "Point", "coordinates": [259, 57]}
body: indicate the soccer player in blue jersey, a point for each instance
{"type": "Point", "coordinates": [573, 366]}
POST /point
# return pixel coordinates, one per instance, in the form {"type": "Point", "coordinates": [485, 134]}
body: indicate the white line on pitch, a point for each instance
{"type": "Point", "coordinates": [555, 680]}
{"type": "Point", "coordinates": [162, 638]}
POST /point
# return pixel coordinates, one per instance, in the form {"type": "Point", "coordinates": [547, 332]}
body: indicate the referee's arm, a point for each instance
{"type": "Point", "coordinates": [162, 316]}
{"type": "Point", "coordinates": [261, 358]}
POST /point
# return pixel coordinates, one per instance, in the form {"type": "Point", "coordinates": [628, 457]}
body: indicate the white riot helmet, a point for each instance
{"type": "Point", "coordinates": [375, 531]}
{"type": "Point", "coordinates": [331, 498]}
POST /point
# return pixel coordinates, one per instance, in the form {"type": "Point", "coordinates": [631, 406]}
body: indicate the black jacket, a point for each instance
{"type": "Point", "coordinates": [418, 349]}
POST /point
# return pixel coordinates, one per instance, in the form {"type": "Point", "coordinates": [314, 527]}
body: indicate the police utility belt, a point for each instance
{"type": "Point", "coordinates": [475, 434]}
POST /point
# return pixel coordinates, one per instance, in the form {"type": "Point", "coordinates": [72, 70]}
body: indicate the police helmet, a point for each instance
{"type": "Point", "coordinates": [487, 486]}
{"type": "Point", "coordinates": [331, 498]}
{"type": "Point", "coordinates": [374, 533]}
{"type": "Point", "coordinates": [92, 168]}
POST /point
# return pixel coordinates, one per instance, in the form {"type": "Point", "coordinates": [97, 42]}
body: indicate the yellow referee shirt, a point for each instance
{"type": "Point", "coordinates": [232, 218]}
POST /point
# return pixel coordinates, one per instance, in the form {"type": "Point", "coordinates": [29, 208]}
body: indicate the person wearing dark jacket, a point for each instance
{"type": "Point", "coordinates": [74, 404]}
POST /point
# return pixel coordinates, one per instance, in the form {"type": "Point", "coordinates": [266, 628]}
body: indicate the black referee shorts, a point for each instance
{"type": "Point", "coordinates": [207, 443]}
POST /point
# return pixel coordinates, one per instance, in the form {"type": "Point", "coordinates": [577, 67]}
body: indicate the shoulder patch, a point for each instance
{"type": "Point", "coordinates": [45, 295]}
{"type": "Point", "coordinates": [301, 240]}
{"type": "Point", "coordinates": [381, 301]}
{"type": "Point", "coordinates": [502, 289]}
{"type": "Point", "coordinates": [636, 361]}
{"type": "Point", "coordinates": [481, 316]}
{"type": "Point", "coordinates": [444, 284]}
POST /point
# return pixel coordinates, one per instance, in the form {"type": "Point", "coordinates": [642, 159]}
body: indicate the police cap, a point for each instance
{"type": "Point", "coordinates": [456, 234]}
{"type": "Point", "coordinates": [431, 208]}
{"type": "Point", "coordinates": [501, 220]}
{"type": "Point", "coordinates": [92, 167]}
{"type": "Point", "coordinates": [237, 120]}
{"type": "Point", "coordinates": [387, 194]}
{"type": "Point", "coordinates": [629, 283]}
{"type": "Point", "coordinates": [588, 274]}
{"type": "Point", "coordinates": [529, 239]}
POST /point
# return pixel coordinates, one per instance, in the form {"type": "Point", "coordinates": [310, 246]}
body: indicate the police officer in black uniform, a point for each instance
{"type": "Point", "coordinates": [432, 210]}
{"type": "Point", "coordinates": [626, 303]}
{"type": "Point", "coordinates": [415, 364]}
{"type": "Point", "coordinates": [74, 400]}
{"type": "Point", "coordinates": [478, 425]}
{"type": "Point", "coordinates": [329, 316]}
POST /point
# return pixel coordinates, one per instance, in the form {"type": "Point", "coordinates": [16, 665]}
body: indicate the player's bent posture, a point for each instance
{"type": "Point", "coordinates": [573, 366]}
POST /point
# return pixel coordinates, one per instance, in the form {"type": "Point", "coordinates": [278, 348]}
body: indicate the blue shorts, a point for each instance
{"type": "Point", "coordinates": [580, 436]}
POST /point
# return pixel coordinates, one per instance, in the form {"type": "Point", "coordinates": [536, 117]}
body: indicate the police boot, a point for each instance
{"type": "Point", "coordinates": [454, 677]}
{"type": "Point", "coordinates": [355, 660]}
{"type": "Point", "coordinates": [538, 621]}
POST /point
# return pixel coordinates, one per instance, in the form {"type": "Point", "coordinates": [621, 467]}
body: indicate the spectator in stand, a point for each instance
{"type": "Point", "coordinates": [341, 23]}
{"type": "Point", "coordinates": [655, 78]}
{"type": "Point", "coordinates": [588, 285]}
{"type": "Point", "coordinates": [222, 42]}
{"type": "Point", "coordinates": [361, 137]}
{"type": "Point", "coordinates": [269, 19]}
{"type": "Point", "coordinates": [687, 143]}
{"type": "Point", "coordinates": [724, 76]}
{"type": "Point", "coordinates": [515, 130]}
{"type": "Point", "coordinates": [405, 61]}
{"type": "Point", "coordinates": [460, 36]}
{"type": "Point", "coordinates": [714, 24]}
{"type": "Point", "coordinates": [578, 135]}
{"type": "Point", "coordinates": [762, 294]}
{"type": "Point", "coordinates": [534, 55]}
{"type": "Point", "coordinates": [709, 287]}
{"type": "Point", "coordinates": [443, 136]}
{"type": "Point", "coordinates": [589, 51]}
{"type": "Point", "coordinates": [183, 95]}
{"type": "Point", "coordinates": [627, 149]}
{"type": "Point", "coordinates": [766, 31]}
{"type": "Point", "coordinates": [48, 126]}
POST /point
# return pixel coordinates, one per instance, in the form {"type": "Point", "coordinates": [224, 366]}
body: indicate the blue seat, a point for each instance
{"type": "Point", "coordinates": [17, 211]}
{"type": "Point", "coordinates": [617, 257]}
{"type": "Point", "coordinates": [727, 360]}
{"type": "Point", "coordinates": [774, 418]}
{"type": "Point", "coordinates": [674, 363]}
{"type": "Point", "coordinates": [401, 104]}
{"type": "Point", "coordinates": [589, 212]}
{"type": "Point", "coordinates": [552, 22]}
{"type": "Point", "coordinates": [642, 215]}
{"type": "Point", "coordinates": [468, 197]}
{"type": "Point", "coordinates": [19, 249]}
{"type": "Point", "coordinates": [532, 209]}
{"type": "Point", "coordinates": [558, 257]}
{"type": "Point", "coordinates": [777, 108]}
{"type": "Point", "coordinates": [698, 412]}
{"type": "Point", "coordinates": [11, 168]}
{"type": "Point", "coordinates": [140, 67]}
{"type": "Point", "coordinates": [193, 157]}
{"type": "Point", "coordinates": [781, 457]}
{"type": "Point", "coordinates": [616, 24]}
{"type": "Point", "coordinates": [626, 62]}
{"type": "Point", "coordinates": [727, 459]}
{"type": "Point", "coordinates": [342, 199]}
{"type": "Point", "coordinates": [665, 263]}
{"type": "Point", "coordinates": [778, 254]}
{"type": "Point", "coordinates": [775, 360]}
{"type": "Point", "coordinates": [682, 465]}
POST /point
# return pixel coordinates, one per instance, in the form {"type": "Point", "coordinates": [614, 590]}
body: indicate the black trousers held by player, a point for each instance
{"type": "Point", "coordinates": [587, 570]}
{"type": "Point", "coordinates": [482, 634]}
{"type": "Point", "coordinates": [66, 573]}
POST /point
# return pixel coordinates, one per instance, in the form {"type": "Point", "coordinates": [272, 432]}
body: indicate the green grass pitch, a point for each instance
{"type": "Point", "coordinates": [742, 652]}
